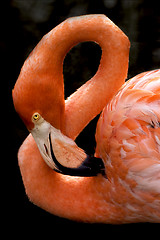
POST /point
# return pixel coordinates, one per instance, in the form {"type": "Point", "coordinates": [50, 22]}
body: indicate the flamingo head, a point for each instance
{"type": "Point", "coordinates": [39, 100]}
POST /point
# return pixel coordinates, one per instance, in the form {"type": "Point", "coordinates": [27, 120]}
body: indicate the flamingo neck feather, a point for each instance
{"type": "Point", "coordinates": [43, 73]}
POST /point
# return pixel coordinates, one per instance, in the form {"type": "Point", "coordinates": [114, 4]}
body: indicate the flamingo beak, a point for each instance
{"type": "Point", "coordinates": [61, 153]}
{"type": "Point", "coordinates": [40, 133]}
{"type": "Point", "coordinates": [91, 166]}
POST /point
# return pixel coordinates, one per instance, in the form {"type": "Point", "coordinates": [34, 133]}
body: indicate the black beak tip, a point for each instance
{"type": "Point", "coordinates": [93, 166]}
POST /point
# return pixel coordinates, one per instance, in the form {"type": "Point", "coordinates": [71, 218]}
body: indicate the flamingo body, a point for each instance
{"type": "Point", "coordinates": [127, 134]}
{"type": "Point", "coordinates": [131, 193]}
{"type": "Point", "coordinates": [128, 138]}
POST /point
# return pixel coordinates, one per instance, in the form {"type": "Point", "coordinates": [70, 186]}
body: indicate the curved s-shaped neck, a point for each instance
{"type": "Point", "coordinates": [83, 105]}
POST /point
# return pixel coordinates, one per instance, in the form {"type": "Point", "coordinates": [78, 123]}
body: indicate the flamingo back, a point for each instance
{"type": "Point", "coordinates": [128, 139]}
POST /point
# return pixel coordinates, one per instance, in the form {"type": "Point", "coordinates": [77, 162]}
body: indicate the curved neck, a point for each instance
{"type": "Point", "coordinates": [83, 105]}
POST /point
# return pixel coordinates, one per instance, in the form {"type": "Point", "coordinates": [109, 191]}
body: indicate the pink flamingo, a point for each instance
{"type": "Point", "coordinates": [121, 182]}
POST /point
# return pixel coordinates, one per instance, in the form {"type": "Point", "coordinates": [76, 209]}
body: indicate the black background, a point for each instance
{"type": "Point", "coordinates": [23, 24]}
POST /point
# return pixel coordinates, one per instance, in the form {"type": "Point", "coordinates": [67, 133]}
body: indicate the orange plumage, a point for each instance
{"type": "Point", "coordinates": [127, 134]}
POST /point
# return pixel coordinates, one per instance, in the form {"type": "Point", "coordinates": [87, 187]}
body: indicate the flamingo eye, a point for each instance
{"type": "Point", "coordinates": [36, 117]}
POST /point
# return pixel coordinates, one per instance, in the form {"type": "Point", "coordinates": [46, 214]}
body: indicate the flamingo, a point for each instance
{"type": "Point", "coordinates": [121, 182]}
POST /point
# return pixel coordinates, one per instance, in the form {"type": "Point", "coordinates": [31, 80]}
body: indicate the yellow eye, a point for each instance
{"type": "Point", "coordinates": [36, 117]}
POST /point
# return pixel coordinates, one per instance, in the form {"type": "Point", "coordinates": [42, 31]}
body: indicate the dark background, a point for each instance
{"type": "Point", "coordinates": [23, 23]}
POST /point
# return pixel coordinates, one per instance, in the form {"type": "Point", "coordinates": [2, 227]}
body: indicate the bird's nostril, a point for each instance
{"type": "Point", "coordinates": [46, 149]}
